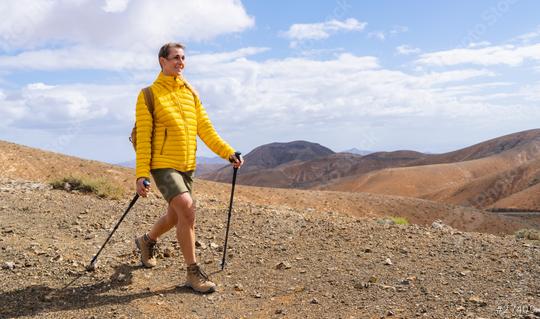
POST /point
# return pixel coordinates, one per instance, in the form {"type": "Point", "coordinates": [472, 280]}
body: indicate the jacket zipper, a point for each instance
{"type": "Point", "coordinates": [164, 140]}
{"type": "Point", "coordinates": [185, 125]}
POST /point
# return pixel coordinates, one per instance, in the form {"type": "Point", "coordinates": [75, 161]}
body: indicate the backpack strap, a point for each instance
{"type": "Point", "coordinates": [191, 89]}
{"type": "Point", "coordinates": [149, 99]}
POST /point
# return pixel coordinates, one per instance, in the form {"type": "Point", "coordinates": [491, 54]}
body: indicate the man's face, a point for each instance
{"type": "Point", "coordinates": [173, 64]}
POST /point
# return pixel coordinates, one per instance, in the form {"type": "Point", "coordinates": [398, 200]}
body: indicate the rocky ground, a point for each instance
{"type": "Point", "coordinates": [283, 263]}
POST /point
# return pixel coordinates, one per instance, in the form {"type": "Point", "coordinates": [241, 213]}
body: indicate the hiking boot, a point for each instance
{"type": "Point", "coordinates": [147, 248]}
{"type": "Point", "coordinates": [198, 280]}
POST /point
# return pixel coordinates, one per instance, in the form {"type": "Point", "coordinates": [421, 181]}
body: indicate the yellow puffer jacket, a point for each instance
{"type": "Point", "coordinates": [168, 139]}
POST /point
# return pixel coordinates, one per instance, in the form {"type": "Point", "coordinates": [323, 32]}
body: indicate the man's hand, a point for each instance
{"type": "Point", "coordinates": [142, 190]}
{"type": "Point", "coordinates": [236, 160]}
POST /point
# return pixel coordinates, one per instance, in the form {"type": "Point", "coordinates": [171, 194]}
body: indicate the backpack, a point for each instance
{"type": "Point", "coordinates": [149, 100]}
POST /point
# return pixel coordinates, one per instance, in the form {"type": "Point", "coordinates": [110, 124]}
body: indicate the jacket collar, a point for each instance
{"type": "Point", "coordinates": [170, 82]}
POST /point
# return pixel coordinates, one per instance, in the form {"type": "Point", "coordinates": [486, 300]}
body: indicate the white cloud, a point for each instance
{"type": "Point", "coordinates": [114, 6]}
{"type": "Point", "coordinates": [238, 90]}
{"type": "Point", "coordinates": [234, 87]}
{"type": "Point", "coordinates": [318, 31]}
{"type": "Point", "coordinates": [406, 49]}
{"type": "Point", "coordinates": [382, 35]}
{"type": "Point", "coordinates": [494, 55]}
{"type": "Point", "coordinates": [111, 60]}
{"type": "Point", "coordinates": [379, 35]}
{"type": "Point", "coordinates": [40, 106]}
{"type": "Point", "coordinates": [527, 37]}
{"type": "Point", "coordinates": [137, 24]}
{"type": "Point", "coordinates": [398, 29]}
{"type": "Point", "coordinates": [479, 44]}
{"type": "Point", "coordinates": [79, 58]}
{"type": "Point", "coordinates": [301, 98]}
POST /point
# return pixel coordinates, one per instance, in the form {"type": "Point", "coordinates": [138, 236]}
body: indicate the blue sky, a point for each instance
{"type": "Point", "coordinates": [377, 75]}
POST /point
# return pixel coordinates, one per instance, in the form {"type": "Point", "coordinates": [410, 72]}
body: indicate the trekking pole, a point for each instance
{"type": "Point", "coordinates": [92, 265]}
{"type": "Point", "coordinates": [237, 154]}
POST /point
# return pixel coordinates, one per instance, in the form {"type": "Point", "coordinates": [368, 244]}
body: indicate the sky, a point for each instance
{"type": "Point", "coordinates": [373, 75]}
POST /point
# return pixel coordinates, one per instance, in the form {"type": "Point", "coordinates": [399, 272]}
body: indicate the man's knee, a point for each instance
{"type": "Point", "coordinates": [184, 207]}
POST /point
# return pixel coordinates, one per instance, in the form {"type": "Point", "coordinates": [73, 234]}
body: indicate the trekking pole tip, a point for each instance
{"type": "Point", "coordinates": [92, 266]}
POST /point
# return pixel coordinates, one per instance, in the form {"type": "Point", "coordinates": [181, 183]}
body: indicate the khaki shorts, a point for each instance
{"type": "Point", "coordinates": [171, 182]}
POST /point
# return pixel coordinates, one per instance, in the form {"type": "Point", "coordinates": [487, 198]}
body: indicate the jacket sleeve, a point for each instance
{"type": "Point", "coordinates": [208, 134]}
{"type": "Point", "coordinates": [144, 122]}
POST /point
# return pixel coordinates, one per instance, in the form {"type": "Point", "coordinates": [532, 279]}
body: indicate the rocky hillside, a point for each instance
{"type": "Point", "coordinates": [306, 165]}
{"type": "Point", "coordinates": [263, 163]}
{"type": "Point", "coordinates": [458, 177]}
{"type": "Point", "coordinates": [284, 262]}
{"type": "Point", "coordinates": [20, 162]}
{"type": "Point", "coordinates": [484, 176]}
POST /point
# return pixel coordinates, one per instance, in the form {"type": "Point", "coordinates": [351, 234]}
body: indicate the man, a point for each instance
{"type": "Point", "coordinates": [166, 147]}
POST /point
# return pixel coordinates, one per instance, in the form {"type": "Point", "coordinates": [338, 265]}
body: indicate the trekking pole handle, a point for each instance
{"type": "Point", "coordinates": [237, 155]}
{"type": "Point", "coordinates": [146, 183]}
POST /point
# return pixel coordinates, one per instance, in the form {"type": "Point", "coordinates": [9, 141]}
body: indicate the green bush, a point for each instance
{"type": "Point", "coordinates": [399, 220]}
{"type": "Point", "coordinates": [531, 234]}
{"type": "Point", "coordinates": [100, 187]}
{"type": "Point", "coordinates": [393, 220]}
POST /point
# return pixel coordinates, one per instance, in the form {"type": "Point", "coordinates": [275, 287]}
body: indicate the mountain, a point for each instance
{"type": "Point", "coordinates": [304, 165]}
{"type": "Point", "coordinates": [271, 157]}
{"type": "Point", "coordinates": [276, 154]}
{"type": "Point", "coordinates": [130, 164]}
{"type": "Point", "coordinates": [356, 151]}
{"type": "Point", "coordinates": [23, 162]}
{"type": "Point", "coordinates": [443, 177]}
{"type": "Point", "coordinates": [482, 175]}
{"type": "Point", "coordinates": [317, 172]}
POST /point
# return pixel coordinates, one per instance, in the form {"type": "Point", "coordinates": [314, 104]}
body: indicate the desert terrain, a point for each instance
{"type": "Point", "coordinates": [291, 254]}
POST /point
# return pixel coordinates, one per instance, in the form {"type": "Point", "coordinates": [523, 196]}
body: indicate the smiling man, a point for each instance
{"type": "Point", "coordinates": [166, 147]}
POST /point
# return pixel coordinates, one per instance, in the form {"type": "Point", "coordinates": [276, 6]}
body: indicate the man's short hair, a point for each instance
{"type": "Point", "coordinates": [164, 50]}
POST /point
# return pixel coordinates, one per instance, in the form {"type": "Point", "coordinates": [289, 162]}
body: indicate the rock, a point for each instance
{"type": "Point", "coordinates": [386, 287]}
{"type": "Point", "coordinates": [465, 273]}
{"type": "Point", "coordinates": [362, 285]}
{"type": "Point", "coordinates": [257, 295]}
{"type": "Point", "coordinates": [477, 300]}
{"type": "Point", "coordinates": [283, 265]}
{"type": "Point", "coordinates": [314, 301]}
{"type": "Point", "coordinates": [388, 261]}
{"type": "Point", "coordinates": [167, 252]}
{"type": "Point", "coordinates": [9, 265]}
{"type": "Point", "coordinates": [373, 279]}
{"type": "Point", "coordinates": [238, 287]}
{"type": "Point", "coordinates": [438, 224]}
{"type": "Point", "coordinates": [390, 313]}
{"type": "Point", "coordinates": [200, 245]}
{"type": "Point", "coordinates": [214, 246]}
{"type": "Point", "coordinates": [405, 282]}
{"type": "Point", "coordinates": [280, 312]}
